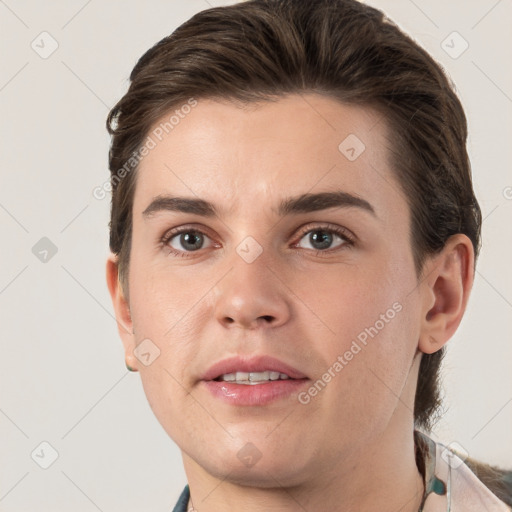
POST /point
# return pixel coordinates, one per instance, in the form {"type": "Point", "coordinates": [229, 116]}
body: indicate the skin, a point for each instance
{"type": "Point", "coordinates": [351, 447]}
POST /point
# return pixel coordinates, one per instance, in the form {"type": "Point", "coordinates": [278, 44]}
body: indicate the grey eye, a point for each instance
{"type": "Point", "coordinates": [320, 239]}
{"type": "Point", "coordinates": [188, 241]}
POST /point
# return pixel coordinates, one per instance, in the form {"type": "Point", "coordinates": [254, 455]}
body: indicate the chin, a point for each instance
{"type": "Point", "coordinates": [245, 464]}
{"type": "Point", "coordinates": [263, 475]}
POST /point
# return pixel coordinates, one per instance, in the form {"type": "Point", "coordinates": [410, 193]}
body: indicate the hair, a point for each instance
{"type": "Point", "coordinates": [262, 50]}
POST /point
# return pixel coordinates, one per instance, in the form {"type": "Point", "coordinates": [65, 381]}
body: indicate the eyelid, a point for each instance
{"type": "Point", "coordinates": [170, 233]}
{"type": "Point", "coordinates": [165, 239]}
{"type": "Point", "coordinates": [340, 231]}
{"type": "Point", "coordinates": [327, 226]}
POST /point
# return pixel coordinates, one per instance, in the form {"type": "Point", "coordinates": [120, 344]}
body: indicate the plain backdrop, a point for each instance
{"type": "Point", "coordinates": [63, 382]}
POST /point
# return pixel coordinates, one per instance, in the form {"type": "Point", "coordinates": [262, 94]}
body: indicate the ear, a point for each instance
{"type": "Point", "coordinates": [446, 285]}
{"type": "Point", "coordinates": [122, 311]}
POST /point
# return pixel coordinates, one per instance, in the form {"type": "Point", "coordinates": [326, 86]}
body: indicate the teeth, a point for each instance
{"type": "Point", "coordinates": [253, 377]}
{"type": "Point", "coordinates": [259, 376]}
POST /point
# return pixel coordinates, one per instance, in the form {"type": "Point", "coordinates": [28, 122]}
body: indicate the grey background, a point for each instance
{"type": "Point", "coordinates": [63, 379]}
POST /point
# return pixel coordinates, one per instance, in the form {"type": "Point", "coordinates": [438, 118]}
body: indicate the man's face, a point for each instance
{"type": "Point", "coordinates": [324, 289]}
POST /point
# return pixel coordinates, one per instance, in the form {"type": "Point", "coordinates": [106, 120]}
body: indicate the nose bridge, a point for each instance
{"type": "Point", "coordinates": [250, 294]}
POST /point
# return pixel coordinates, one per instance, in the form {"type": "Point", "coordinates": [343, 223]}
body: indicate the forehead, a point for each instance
{"type": "Point", "coordinates": [256, 155]}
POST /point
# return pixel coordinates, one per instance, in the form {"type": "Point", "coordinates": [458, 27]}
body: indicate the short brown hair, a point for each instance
{"type": "Point", "coordinates": [264, 49]}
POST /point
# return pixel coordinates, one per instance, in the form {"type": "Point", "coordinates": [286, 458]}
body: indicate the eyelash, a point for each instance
{"type": "Point", "coordinates": [327, 228]}
{"type": "Point", "coordinates": [169, 235]}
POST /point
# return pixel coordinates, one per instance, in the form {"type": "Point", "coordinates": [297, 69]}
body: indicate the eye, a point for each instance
{"type": "Point", "coordinates": [185, 240]}
{"type": "Point", "coordinates": [324, 238]}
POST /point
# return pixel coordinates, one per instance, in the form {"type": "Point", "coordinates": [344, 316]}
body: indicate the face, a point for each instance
{"type": "Point", "coordinates": [287, 261]}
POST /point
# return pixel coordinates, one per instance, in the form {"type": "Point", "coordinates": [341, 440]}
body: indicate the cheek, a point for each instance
{"type": "Point", "coordinates": [164, 311]}
{"type": "Point", "coordinates": [371, 336]}
{"type": "Point", "coordinates": [165, 298]}
{"type": "Point", "coordinates": [352, 298]}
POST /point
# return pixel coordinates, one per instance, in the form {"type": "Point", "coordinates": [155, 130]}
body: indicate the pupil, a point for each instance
{"type": "Point", "coordinates": [193, 239]}
{"type": "Point", "coordinates": [323, 240]}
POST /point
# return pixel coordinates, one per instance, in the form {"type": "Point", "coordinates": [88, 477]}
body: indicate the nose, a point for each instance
{"type": "Point", "coordinates": [251, 296]}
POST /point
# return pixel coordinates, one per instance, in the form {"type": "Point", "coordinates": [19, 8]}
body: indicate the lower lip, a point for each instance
{"type": "Point", "coordinates": [254, 394]}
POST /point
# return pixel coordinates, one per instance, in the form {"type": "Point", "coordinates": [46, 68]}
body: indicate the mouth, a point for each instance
{"type": "Point", "coordinates": [252, 378]}
{"type": "Point", "coordinates": [257, 380]}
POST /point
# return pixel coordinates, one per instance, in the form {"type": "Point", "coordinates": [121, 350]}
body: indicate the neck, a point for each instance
{"type": "Point", "coordinates": [382, 475]}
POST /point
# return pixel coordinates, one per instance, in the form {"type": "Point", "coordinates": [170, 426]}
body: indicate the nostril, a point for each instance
{"type": "Point", "coordinates": [263, 318]}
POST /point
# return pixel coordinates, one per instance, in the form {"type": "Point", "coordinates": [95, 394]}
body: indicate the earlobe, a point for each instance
{"type": "Point", "coordinates": [446, 291]}
{"type": "Point", "coordinates": [122, 311]}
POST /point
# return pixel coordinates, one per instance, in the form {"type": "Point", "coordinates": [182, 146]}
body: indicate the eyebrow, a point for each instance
{"type": "Point", "coordinates": [304, 203]}
{"type": "Point", "coordinates": [180, 204]}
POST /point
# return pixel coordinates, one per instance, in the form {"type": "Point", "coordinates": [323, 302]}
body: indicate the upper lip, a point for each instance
{"type": "Point", "coordinates": [251, 364]}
